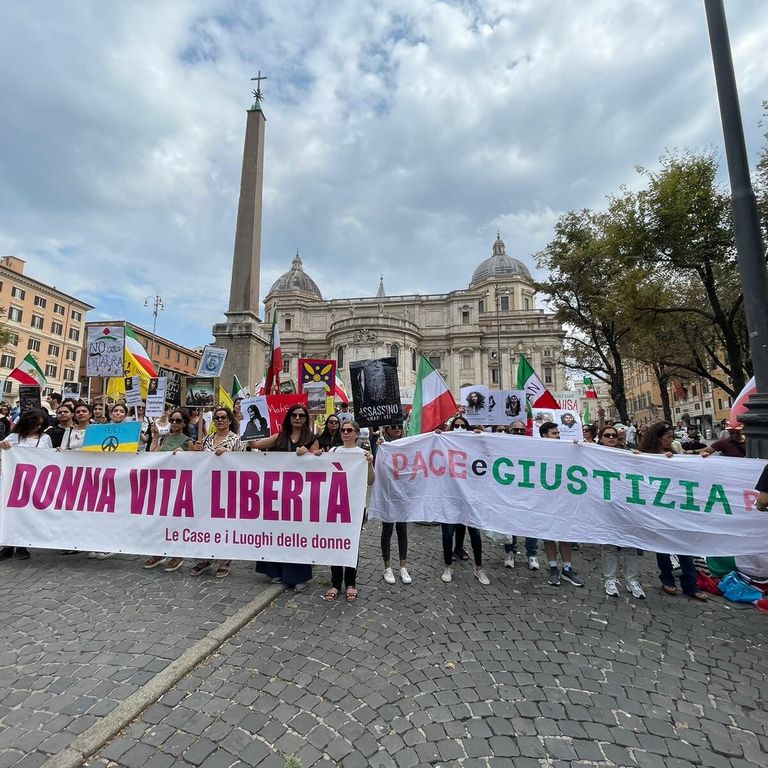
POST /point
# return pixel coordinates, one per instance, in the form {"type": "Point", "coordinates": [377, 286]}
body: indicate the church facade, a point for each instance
{"type": "Point", "coordinates": [472, 336]}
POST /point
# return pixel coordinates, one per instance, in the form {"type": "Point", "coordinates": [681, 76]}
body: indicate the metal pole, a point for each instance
{"type": "Point", "coordinates": [498, 339]}
{"type": "Point", "coordinates": [157, 306]}
{"type": "Point", "coordinates": [749, 247]}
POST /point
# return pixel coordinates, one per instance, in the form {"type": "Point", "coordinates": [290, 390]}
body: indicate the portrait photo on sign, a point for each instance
{"type": "Point", "coordinates": [512, 404]}
{"type": "Point", "coordinates": [212, 361]}
{"type": "Point", "coordinates": [568, 422]}
{"type": "Point", "coordinates": [476, 399]}
{"type": "Point", "coordinates": [200, 392]}
{"type": "Point", "coordinates": [316, 400]}
{"type": "Point", "coordinates": [29, 397]}
{"type": "Point", "coordinates": [255, 422]}
{"type": "Point", "coordinates": [376, 391]}
{"type": "Point", "coordinates": [70, 390]}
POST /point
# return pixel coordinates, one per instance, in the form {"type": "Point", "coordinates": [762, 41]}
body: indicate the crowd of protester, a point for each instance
{"type": "Point", "coordinates": [217, 430]}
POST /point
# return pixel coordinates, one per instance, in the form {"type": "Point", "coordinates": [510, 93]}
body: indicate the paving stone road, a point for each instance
{"type": "Point", "coordinates": [78, 636]}
{"type": "Point", "coordinates": [515, 674]}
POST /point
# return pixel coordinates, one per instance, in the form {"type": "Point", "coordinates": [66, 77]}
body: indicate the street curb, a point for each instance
{"type": "Point", "coordinates": [95, 737]}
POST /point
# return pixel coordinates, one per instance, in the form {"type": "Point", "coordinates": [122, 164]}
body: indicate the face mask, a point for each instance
{"type": "Point", "coordinates": [460, 429]}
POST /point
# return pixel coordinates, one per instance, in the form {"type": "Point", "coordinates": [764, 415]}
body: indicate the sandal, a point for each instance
{"type": "Point", "coordinates": [699, 595]}
{"type": "Point", "coordinates": [200, 567]}
{"type": "Point", "coordinates": [667, 590]}
{"type": "Point", "coordinates": [331, 595]}
{"type": "Point", "coordinates": [351, 594]}
{"type": "Point", "coordinates": [223, 570]}
{"type": "Point", "coordinates": [461, 554]}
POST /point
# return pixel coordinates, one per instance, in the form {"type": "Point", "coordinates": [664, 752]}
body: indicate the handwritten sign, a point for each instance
{"type": "Point", "coordinates": [104, 350]}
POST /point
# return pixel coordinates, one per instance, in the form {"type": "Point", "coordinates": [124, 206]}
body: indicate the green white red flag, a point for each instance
{"type": "Point", "coordinates": [589, 388]}
{"type": "Point", "coordinates": [29, 372]}
{"type": "Point", "coordinates": [536, 394]}
{"type": "Point", "coordinates": [275, 364]}
{"type": "Point", "coordinates": [433, 403]}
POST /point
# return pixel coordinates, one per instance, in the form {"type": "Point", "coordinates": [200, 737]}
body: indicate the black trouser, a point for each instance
{"type": "Point", "coordinates": [474, 538]}
{"type": "Point", "coordinates": [687, 572]}
{"type": "Point", "coordinates": [402, 540]}
{"type": "Point", "coordinates": [343, 573]}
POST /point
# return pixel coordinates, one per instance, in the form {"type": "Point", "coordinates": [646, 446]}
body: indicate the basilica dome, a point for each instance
{"type": "Point", "coordinates": [296, 279]}
{"type": "Point", "coordinates": [499, 265]}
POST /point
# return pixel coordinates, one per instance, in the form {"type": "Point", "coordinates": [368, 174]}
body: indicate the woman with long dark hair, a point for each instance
{"type": "Point", "coordinates": [330, 436]}
{"type": "Point", "coordinates": [658, 439]}
{"type": "Point", "coordinates": [294, 437]}
{"type": "Point", "coordinates": [28, 432]}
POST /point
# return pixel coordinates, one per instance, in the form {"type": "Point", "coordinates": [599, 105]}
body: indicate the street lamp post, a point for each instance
{"type": "Point", "coordinates": [498, 339]}
{"type": "Point", "coordinates": [157, 304]}
{"type": "Point", "coordinates": [746, 228]}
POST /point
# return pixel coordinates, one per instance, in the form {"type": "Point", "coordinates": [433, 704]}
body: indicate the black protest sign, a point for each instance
{"type": "Point", "coordinates": [376, 392]}
{"type": "Point", "coordinates": [172, 385]}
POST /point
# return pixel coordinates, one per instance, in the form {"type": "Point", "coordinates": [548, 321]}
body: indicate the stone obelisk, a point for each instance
{"type": "Point", "coordinates": [240, 335]}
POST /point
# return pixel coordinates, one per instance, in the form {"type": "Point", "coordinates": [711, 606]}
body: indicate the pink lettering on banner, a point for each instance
{"type": "Point", "coordinates": [437, 470]}
{"type": "Point", "coordinates": [89, 491]}
{"type": "Point", "coordinates": [216, 509]}
{"type": "Point", "coordinates": [419, 465]}
{"type": "Point", "coordinates": [291, 506]}
{"type": "Point", "coordinates": [399, 463]}
{"type": "Point", "coordinates": [315, 481]}
{"type": "Point", "coordinates": [750, 498]}
{"type": "Point", "coordinates": [249, 496]}
{"type": "Point", "coordinates": [68, 488]}
{"type": "Point", "coordinates": [21, 488]}
{"type": "Point", "coordinates": [45, 487]}
{"type": "Point", "coordinates": [338, 500]}
{"type": "Point", "coordinates": [457, 464]}
{"type": "Point", "coordinates": [270, 495]}
{"type": "Point", "coordinates": [184, 505]}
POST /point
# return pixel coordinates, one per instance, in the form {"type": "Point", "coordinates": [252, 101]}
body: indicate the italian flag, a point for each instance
{"type": "Point", "coordinates": [589, 388]}
{"type": "Point", "coordinates": [275, 365]}
{"type": "Point", "coordinates": [237, 389]}
{"type": "Point", "coordinates": [29, 373]}
{"type": "Point", "coordinates": [433, 403]}
{"type": "Point", "coordinates": [740, 403]}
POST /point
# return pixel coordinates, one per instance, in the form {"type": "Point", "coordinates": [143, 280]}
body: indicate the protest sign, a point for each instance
{"type": "Point", "coordinates": [70, 391]}
{"type": "Point", "coordinates": [199, 392]}
{"type": "Point", "coordinates": [512, 405]}
{"type": "Point", "coordinates": [211, 362]}
{"type": "Point", "coordinates": [255, 422]}
{"type": "Point", "coordinates": [376, 392]}
{"type": "Point", "coordinates": [558, 490]}
{"type": "Point", "coordinates": [172, 385]}
{"type": "Point", "coordinates": [568, 422]}
{"type": "Point", "coordinates": [314, 370]}
{"type": "Point", "coordinates": [246, 506]}
{"type": "Point", "coordinates": [29, 397]}
{"type": "Point", "coordinates": [279, 405]}
{"type": "Point", "coordinates": [567, 401]}
{"type": "Point", "coordinates": [156, 397]}
{"type": "Point", "coordinates": [112, 438]}
{"type": "Point", "coordinates": [133, 391]}
{"type": "Point", "coordinates": [475, 401]}
{"type": "Point", "coordinates": [104, 350]}
{"type": "Point", "coordinates": [316, 396]}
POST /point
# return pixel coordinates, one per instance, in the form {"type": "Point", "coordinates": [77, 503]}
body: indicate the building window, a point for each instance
{"type": "Point", "coordinates": [286, 365]}
{"type": "Point", "coordinates": [466, 360]}
{"type": "Point", "coordinates": [40, 302]}
{"type": "Point", "coordinates": [414, 358]}
{"type": "Point", "coordinates": [58, 309]}
{"type": "Point", "coordinates": [56, 328]}
{"type": "Point", "coordinates": [434, 361]}
{"type": "Point", "coordinates": [708, 404]}
{"type": "Point", "coordinates": [157, 349]}
{"type": "Point", "coordinates": [8, 386]}
{"type": "Point", "coordinates": [481, 306]}
{"type": "Point", "coordinates": [72, 354]}
{"type": "Point", "coordinates": [526, 303]}
{"type": "Point", "coordinates": [340, 357]}
{"type": "Point", "coordinates": [288, 323]}
{"type": "Point", "coordinates": [547, 375]}
{"type": "Point", "coordinates": [186, 359]}
{"type": "Point", "coordinates": [167, 353]}
{"type": "Point", "coordinates": [394, 351]}
{"type": "Point", "coordinates": [69, 374]}
{"type": "Point", "coordinates": [34, 345]}
{"type": "Point", "coordinates": [13, 339]}
{"type": "Point", "coordinates": [547, 353]}
{"type": "Point", "coordinates": [7, 361]}
{"type": "Point", "coordinates": [74, 334]}
{"type": "Point", "coordinates": [505, 303]}
{"type": "Point", "coordinates": [76, 315]}
{"type": "Point", "coordinates": [494, 375]}
{"type": "Point", "coordinates": [697, 406]}
{"type": "Point", "coordinates": [38, 322]}
{"type": "Point", "coordinates": [53, 350]}
{"type": "Point", "coordinates": [18, 293]}
{"type": "Point", "coordinates": [14, 313]}
{"type": "Point", "coordinates": [694, 392]}
{"type": "Point", "coordinates": [178, 357]}
{"type": "Point", "coordinates": [51, 370]}
{"type": "Point", "coordinates": [465, 317]}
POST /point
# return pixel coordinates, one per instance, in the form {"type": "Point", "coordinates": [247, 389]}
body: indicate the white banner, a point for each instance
{"type": "Point", "coordinates": [239, 506]}
{"type": "Point", "coordinates": [553, 489]}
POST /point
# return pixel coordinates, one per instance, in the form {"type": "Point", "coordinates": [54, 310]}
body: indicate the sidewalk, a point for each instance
{"type": "Point", "coordinates": [432, 674]}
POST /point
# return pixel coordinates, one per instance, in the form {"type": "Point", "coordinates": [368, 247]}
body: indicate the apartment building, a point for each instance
{"type": "Point", "coordinates": [43, 320]}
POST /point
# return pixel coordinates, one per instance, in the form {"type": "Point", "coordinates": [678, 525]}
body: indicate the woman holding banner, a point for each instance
{"type": "Point", "coordinates": [73, 437]}
{"type": "Point", "coordinates": [223, 440]}
{"type": "Point", "coordinates": [294, 437]}
{"type": "Point", "coordinates": [28, 432]}
{"type": "Point", "coordinates": [658, 439]}
{"type": "Point", "coordinates": [347, 575]}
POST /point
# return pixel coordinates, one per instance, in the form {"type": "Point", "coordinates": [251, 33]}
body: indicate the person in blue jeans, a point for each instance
{"type": "Point", "coordinates": [531, 552]}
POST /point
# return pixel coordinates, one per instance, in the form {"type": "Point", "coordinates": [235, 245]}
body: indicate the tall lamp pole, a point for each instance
{"type": "Point", "coordinates": [749, 247]}
{"type": "Point", "coordinates": [498, 338]}
{"type": "Point", "coordinates": [157, 305]}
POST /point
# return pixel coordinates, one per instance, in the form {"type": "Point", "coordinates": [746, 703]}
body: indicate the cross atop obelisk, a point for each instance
{"type": "Point", "coordinates": [241, 334]}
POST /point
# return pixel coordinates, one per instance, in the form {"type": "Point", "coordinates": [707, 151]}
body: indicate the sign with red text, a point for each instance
{"type": "Point", "coordinates": [239, 506]}
{"type": "Point", "coordinates": [565, 491]}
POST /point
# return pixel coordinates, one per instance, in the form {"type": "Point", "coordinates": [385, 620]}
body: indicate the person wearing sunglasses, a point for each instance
{"type": "Point", "coordinates": [295, 436]}
{"type": "Point", "coordinates": [223, 440]}
{"type": "Point", "coordinates": [177, 439]}
{"type": "Point", "coordinates": [609, 437]}
{"type": "Point", "coordinates": [389, 433]}
{"type": "Point", "coordinates": [330, 436]}
{"type": "Point", "coordinates": [346, 575]}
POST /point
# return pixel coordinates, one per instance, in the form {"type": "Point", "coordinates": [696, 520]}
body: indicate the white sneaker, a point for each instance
{"type": "Point", "coordinates": [93, 555]}
{"type": "Point", "coordinates": [482, 577]}
{"type": "Point", "coordinates": [533, 563]}
{"type": "Point", "coordinates": [612, 587]}
{"type": "Point", "coordinates": [509, 560]}
{"type": "Point", "coordinates": [636, 589]}
{"type": "Point", "coordinates": [405, 577]}
{"type": "Point", "coordinates": [447, 574]}
{"type": "Point", "coordinates": [389, 576]}
{"type": "Point", "coordinates": [104, 555]}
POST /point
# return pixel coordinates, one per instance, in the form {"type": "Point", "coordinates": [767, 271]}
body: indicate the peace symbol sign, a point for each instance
{"type": "Point", "coordinates": [110, 443]}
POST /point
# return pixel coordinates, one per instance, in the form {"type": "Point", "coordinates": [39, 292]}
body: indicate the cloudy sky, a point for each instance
{"type": "Point", "coordinates": [401, 134]}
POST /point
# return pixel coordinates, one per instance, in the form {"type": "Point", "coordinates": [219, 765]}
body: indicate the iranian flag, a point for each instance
{"type": "Point", "coordinates": [29, 373]}
{"type": "Point", "coordinates": [275, 365]}
{"type": "Point", "coordinates": [740, 403]}
{"type": "Point", "coordinates": [136, 355]}
{"type": "Point", "coordinates": [339, 392]}
{"type": "Point", "coordinates": [433, 403]}
{"type": "Point", "coordinates": [589, 388]}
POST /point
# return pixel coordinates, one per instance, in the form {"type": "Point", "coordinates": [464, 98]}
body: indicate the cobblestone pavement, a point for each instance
{"type": "Point", "coordinates": [78, 636]}
{"type": "Point", "coordinates": [431, 674]}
